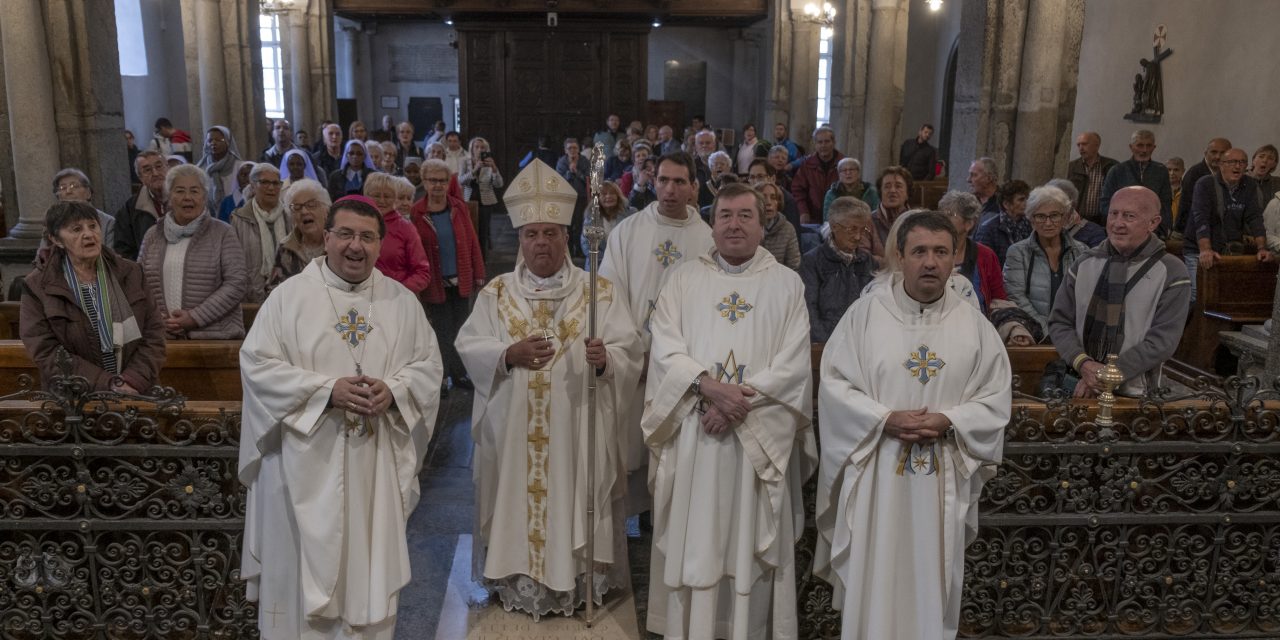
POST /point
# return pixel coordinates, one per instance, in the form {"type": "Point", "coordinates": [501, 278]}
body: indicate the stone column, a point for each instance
{"type": "Point", "coordinates": [804, 81]}
{"type": "Point", "coordinates": [849, 47]}
{"type": "Point", "coordinates": [299, 70]}
{"type": "Point", "coordinates": [746, 82]}
{"type": "Point", "coordinates": [886, 75]}
{"type": "Point", "coordinates": [1036, 132]}
{"type": "Point", "coordinates": [324, 104]}
{"type": "Point", "coordinates": [8, 195]}
{"type": "Point", "coordinates": [347, 88]}
{"type": "Point", "coordinates": [29, 95]}
{"type": "Point", "coordinates": [87, 95]}
{"type": "Point", "coordinates": [212, 67]}
{"type": "Point", "coordinates": [777, 104]}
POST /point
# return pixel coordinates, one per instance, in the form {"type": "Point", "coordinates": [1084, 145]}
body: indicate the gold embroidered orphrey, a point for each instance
{"type": "Point", "coordinates": [519, 325]}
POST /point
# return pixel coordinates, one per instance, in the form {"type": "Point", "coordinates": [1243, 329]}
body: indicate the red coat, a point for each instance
{"type": "Point", "coordinates": [810, 183]}
{"type": "Point", "coordinates": [402, 258]}
{"type": "Point", "coordinates": [470, 261]}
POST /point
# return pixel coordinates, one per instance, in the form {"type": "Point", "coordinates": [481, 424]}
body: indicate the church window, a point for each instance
{"type": "Point", "coordinates": [272, 65]}
{"type": "Point", "coordinates": [824, 75]}
{"type": "Point", "coordinates": [129, 38]}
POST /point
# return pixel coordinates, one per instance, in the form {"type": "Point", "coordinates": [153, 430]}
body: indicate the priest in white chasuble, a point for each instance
{"type": "Point", "coordinates": [525, 347]}
{"type": "Point", "coordinates": [341, 379]}
{"type": "Point", "coordinates": [728, 421]}
{"type": "Point", "coordinates": [642, 250]}
{"type": "Point", "coordinates": [915, 394]}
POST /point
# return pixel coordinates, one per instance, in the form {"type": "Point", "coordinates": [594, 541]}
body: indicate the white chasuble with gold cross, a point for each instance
{"type": "Point", "coordinates": [325, 553]}
{"type": "Point", "coordinates": [529, 428]}
{"type": "Point", "coordinates": [893, 519]}
{"type": "Point", "coordinates": [642, 250]}
{"type": "Point", "coordinates": [726, 508]}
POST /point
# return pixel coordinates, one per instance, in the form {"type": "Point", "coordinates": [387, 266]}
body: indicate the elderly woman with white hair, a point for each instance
{"type": "Point", "coordinates": [836, 272]}
{"type": "Point", "coordinates": [193, 264]}
{"type": "Point", "coordinates": [721, 165]}
{"type": "Point", "coordinates": [260, 226]}
{"type": "Point", "coordinates": [1035, 267]}
{"type": "Point", "coordinates": [850, 183]}
{"type": "Point", "coordinates": [307, 204]}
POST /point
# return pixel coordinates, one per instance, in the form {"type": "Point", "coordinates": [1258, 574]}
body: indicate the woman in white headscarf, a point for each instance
{"type": "Point", "coordinates": [221, 161]}
{"type": "Point", "coordinates": [296, 165]}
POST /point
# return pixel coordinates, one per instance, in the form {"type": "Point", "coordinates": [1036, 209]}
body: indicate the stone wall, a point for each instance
{"type": "Point", "coordinates": [1218, 82]}
{"type": "Point", "coordinates": [400, 59]}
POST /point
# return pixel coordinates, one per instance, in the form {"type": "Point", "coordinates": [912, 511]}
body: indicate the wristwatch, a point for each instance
{"type": "Point", "coordinates": [696, 386]}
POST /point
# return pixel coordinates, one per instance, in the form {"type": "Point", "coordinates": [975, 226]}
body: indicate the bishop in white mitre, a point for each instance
{"type": "Point", "coordinates": [641, 251]}
{"type": "Point", "coordinates": [525, 347]}
{"type": "Point", "coordinates": [914, 397]}
{"type": "Point", "coordinates": [728, 421]}
{"type": "Point", "coordinates": [341, 379]}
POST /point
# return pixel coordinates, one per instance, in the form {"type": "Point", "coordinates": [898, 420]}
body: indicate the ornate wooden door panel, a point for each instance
{"type": "Point", "coordinates": [521, 82]}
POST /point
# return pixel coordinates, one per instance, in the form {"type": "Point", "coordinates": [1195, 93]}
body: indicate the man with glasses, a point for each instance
{"type": "Point", "coordinates": [341, 372]}
{"type": "Point", "coordinates": [140, 212]}
{"type": "Point", "coordinates": [1141, 170]}
{"type": "Point", "coordinates": [261, 225]}
{"type": "Point", "coordinates": [837, 271]}
{"type": "Point", "coordinates": [1226, 217]}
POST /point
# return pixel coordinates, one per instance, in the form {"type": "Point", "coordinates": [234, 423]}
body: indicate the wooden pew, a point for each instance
{"type": "Point", "coordinates": [925, 194]}
{"type": "Point", "coordinates": [1235, 292]}
{"type": "Point", "coordinates": [1027, 363]}
{"type": "Point", "coordinates": [198, 369]}
{"type": "Point", "coordinates": [10, 311]}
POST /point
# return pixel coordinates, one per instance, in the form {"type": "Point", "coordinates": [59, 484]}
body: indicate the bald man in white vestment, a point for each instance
{"type": "Point", "coordinates": [341, 385]}
{"type": "Point", "coordinates": [525, 347]}
{"type": "Point", "coordinates": [728, 421]}
{"type": "Point", "coordinates": [914, 398]}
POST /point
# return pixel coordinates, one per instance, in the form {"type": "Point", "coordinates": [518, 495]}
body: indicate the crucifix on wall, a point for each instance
{"type": "Point", "coordinates": [1148, 86]}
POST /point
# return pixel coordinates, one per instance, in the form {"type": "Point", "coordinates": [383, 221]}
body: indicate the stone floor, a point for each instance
{"type": "Point", "coordinates": [441, 602]}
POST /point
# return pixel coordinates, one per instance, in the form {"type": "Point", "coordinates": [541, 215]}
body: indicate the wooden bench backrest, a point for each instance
{"type": "Point", "coordinates": [198, 369]}
{"type": "Point", "coordinates": [1238, 289]}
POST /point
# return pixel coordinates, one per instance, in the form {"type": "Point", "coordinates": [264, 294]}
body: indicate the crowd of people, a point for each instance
{"type": "Point", "coordinates": [722, 265]}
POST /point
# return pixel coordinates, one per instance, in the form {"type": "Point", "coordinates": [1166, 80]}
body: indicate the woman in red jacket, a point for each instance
{"type": "Point", "coordinates": [444, 224]}
{"type": "Point", "coordinates": [402, 258]}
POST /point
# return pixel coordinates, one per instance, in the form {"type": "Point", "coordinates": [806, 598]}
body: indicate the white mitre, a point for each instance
{"type": "Point", "coordinates": [539, 194]}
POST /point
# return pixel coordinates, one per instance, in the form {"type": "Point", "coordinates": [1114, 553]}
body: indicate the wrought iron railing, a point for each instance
{"type": "Point", "coordinates": [1166, 524]}
{"type": "Point", "coordinates": [120, 516]}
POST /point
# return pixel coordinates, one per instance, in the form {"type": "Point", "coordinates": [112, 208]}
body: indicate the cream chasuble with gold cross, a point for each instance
{"type": "Point", "coordinates": [529, 429]}
{"type": "Point", "coordinates": [726, 507]}
{"type": "Point", "coordinates": [642, 250]}
{"type": "Point", "coordinates": [893, 520]}
{"type": "Point", "coordinates": [325, 553]}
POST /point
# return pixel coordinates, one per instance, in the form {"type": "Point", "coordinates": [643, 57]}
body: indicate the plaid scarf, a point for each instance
{"type": "Point", "coordinates": [1104, 320]}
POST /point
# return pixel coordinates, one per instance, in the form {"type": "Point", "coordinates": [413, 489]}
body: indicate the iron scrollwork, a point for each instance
{"type": "Point", "coordinates": [1164, 524]}
{"type": "Point", "coordinates": [121, 516]}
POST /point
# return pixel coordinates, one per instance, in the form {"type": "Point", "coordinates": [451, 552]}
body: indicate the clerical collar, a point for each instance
{"type": "Point", "coordinates": [689, 216]}
{"type": "Point", "coordinates": [733, 269]}
{"type": "Point", "coordinates": [553, 281]}
{"type": "Point", "coordinates": [911, 305]}
{"type": "Point", "coordinates": [337, 282]}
